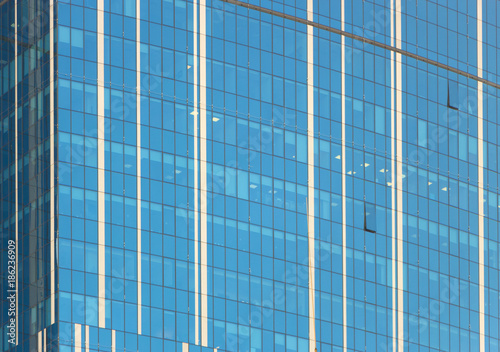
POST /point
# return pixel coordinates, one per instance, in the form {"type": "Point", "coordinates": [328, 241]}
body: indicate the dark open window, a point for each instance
{"type": "Point", "coordinates": [370, 218]}
{"type": "Point", "coordinates": [453, 95]}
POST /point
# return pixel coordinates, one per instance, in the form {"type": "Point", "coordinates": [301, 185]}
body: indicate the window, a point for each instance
{"type": "Point", "coordinates": [453, 95]}
{"type": "Point", "coordinates": [370, 218]}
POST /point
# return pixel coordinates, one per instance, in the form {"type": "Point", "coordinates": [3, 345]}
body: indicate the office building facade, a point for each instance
{"type": "Point", "coordinates": [223, 175]}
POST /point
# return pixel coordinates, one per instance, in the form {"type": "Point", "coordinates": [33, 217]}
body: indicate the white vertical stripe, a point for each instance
{"type": "Point", "coordinates": [40, 341]}
{"type": "Point", "coordinates": [203, 174]}
{"type": "Point", "coordinates": [185, 347]}
{"type": "Point", "coordinates": [87, 338]}
{"type": "Point", "coordinates": [138, 161]}
{"type": "Point", "coordinates": [480, 172]}
{"type": "Point", "coordinates": [52, 173]}
{"type": "Point", "coordinates": [310, 175]}
{"type": "Point", "coordinates": [100, 164]}
{"type": "Point", "coordinates": [78, 338]}
{"type": "Point", "coordinates": [44, 340]}
{"type": "Point", "coordinates": [344, 207]}
{"type": "Point", "coordinates": [399, 173]}
{"type": "Point", "coordinates": [393, 191]}
{"type": "Point", "coordinates": [113, 341]}
{"type": "Point", "coordinates": [196, 161]}
{"type": "Point", "coordinates": [16, 163]}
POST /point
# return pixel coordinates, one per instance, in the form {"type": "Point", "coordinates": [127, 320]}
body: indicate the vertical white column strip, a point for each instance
{"type": "Point", "coordinates": [310, 175]}
{"type": "Point", "coordinates": [185, 347]}
{"type": "Point", "coordinates": [203, 173]}
{"type": "Point", "coordinates": [480, 172]}
{"type": "Point", "coordinates": [78, 338]}
{"type": "Point", "coordinates": [393, 190]}
{"type": "Point", "coordinates": [196, 161]}
{"type": "Point", "coordinates": [342, 158]}
{"type": "Point", "coordinates": [399, 173]}
{"type": "Point", "coordinates": [100, 165]}
{"type": "Point", "coordinates": [16, 163]}
{"type": "Point", "coordinates": [40, 341]}
{"type": "Point", "coordinates": [44, 340]}
{"type": "Point", "coordinates": [113, 340]}
{"type": "Point", "coordinates": [52, 173]}
{"type": "Point", "coordinates": [138, 162]}
{"type": "Point", "coordinates": [87, 338]}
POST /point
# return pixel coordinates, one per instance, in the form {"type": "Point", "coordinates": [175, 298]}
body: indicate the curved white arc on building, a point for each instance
{"type": "Point", "coordinates": [399, 175]}
{"type": "Point", "coordinates": [203, 173]}
{"type": "Point", "coordinates": [393, 192]}
{"type": "Point", "coordinates": [310, 176]}
{"type": "Point", "coordinates": [138, 162]}
{"type": "Point", "coordinates": [480, 172]}
{"type": "Point", "coordinates": [100, 167]}
{"type": "Point", "coordinates": [52, 237]}
{"type": "Point", "coordinates": [344, 207]}
{"type": "Point", "coordinates": [196, 162]}
{"type": "Point", "coordinates": [16, 162]}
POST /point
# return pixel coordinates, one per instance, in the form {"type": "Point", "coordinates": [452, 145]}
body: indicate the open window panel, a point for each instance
{"type": "Point", "coordinates": [370, 218]}
{"type": "Point", "coordinates": [453, 95]}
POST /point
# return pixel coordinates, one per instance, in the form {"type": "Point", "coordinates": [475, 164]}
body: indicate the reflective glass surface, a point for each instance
{"type": "Point", "coordinates": [217, 169]}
